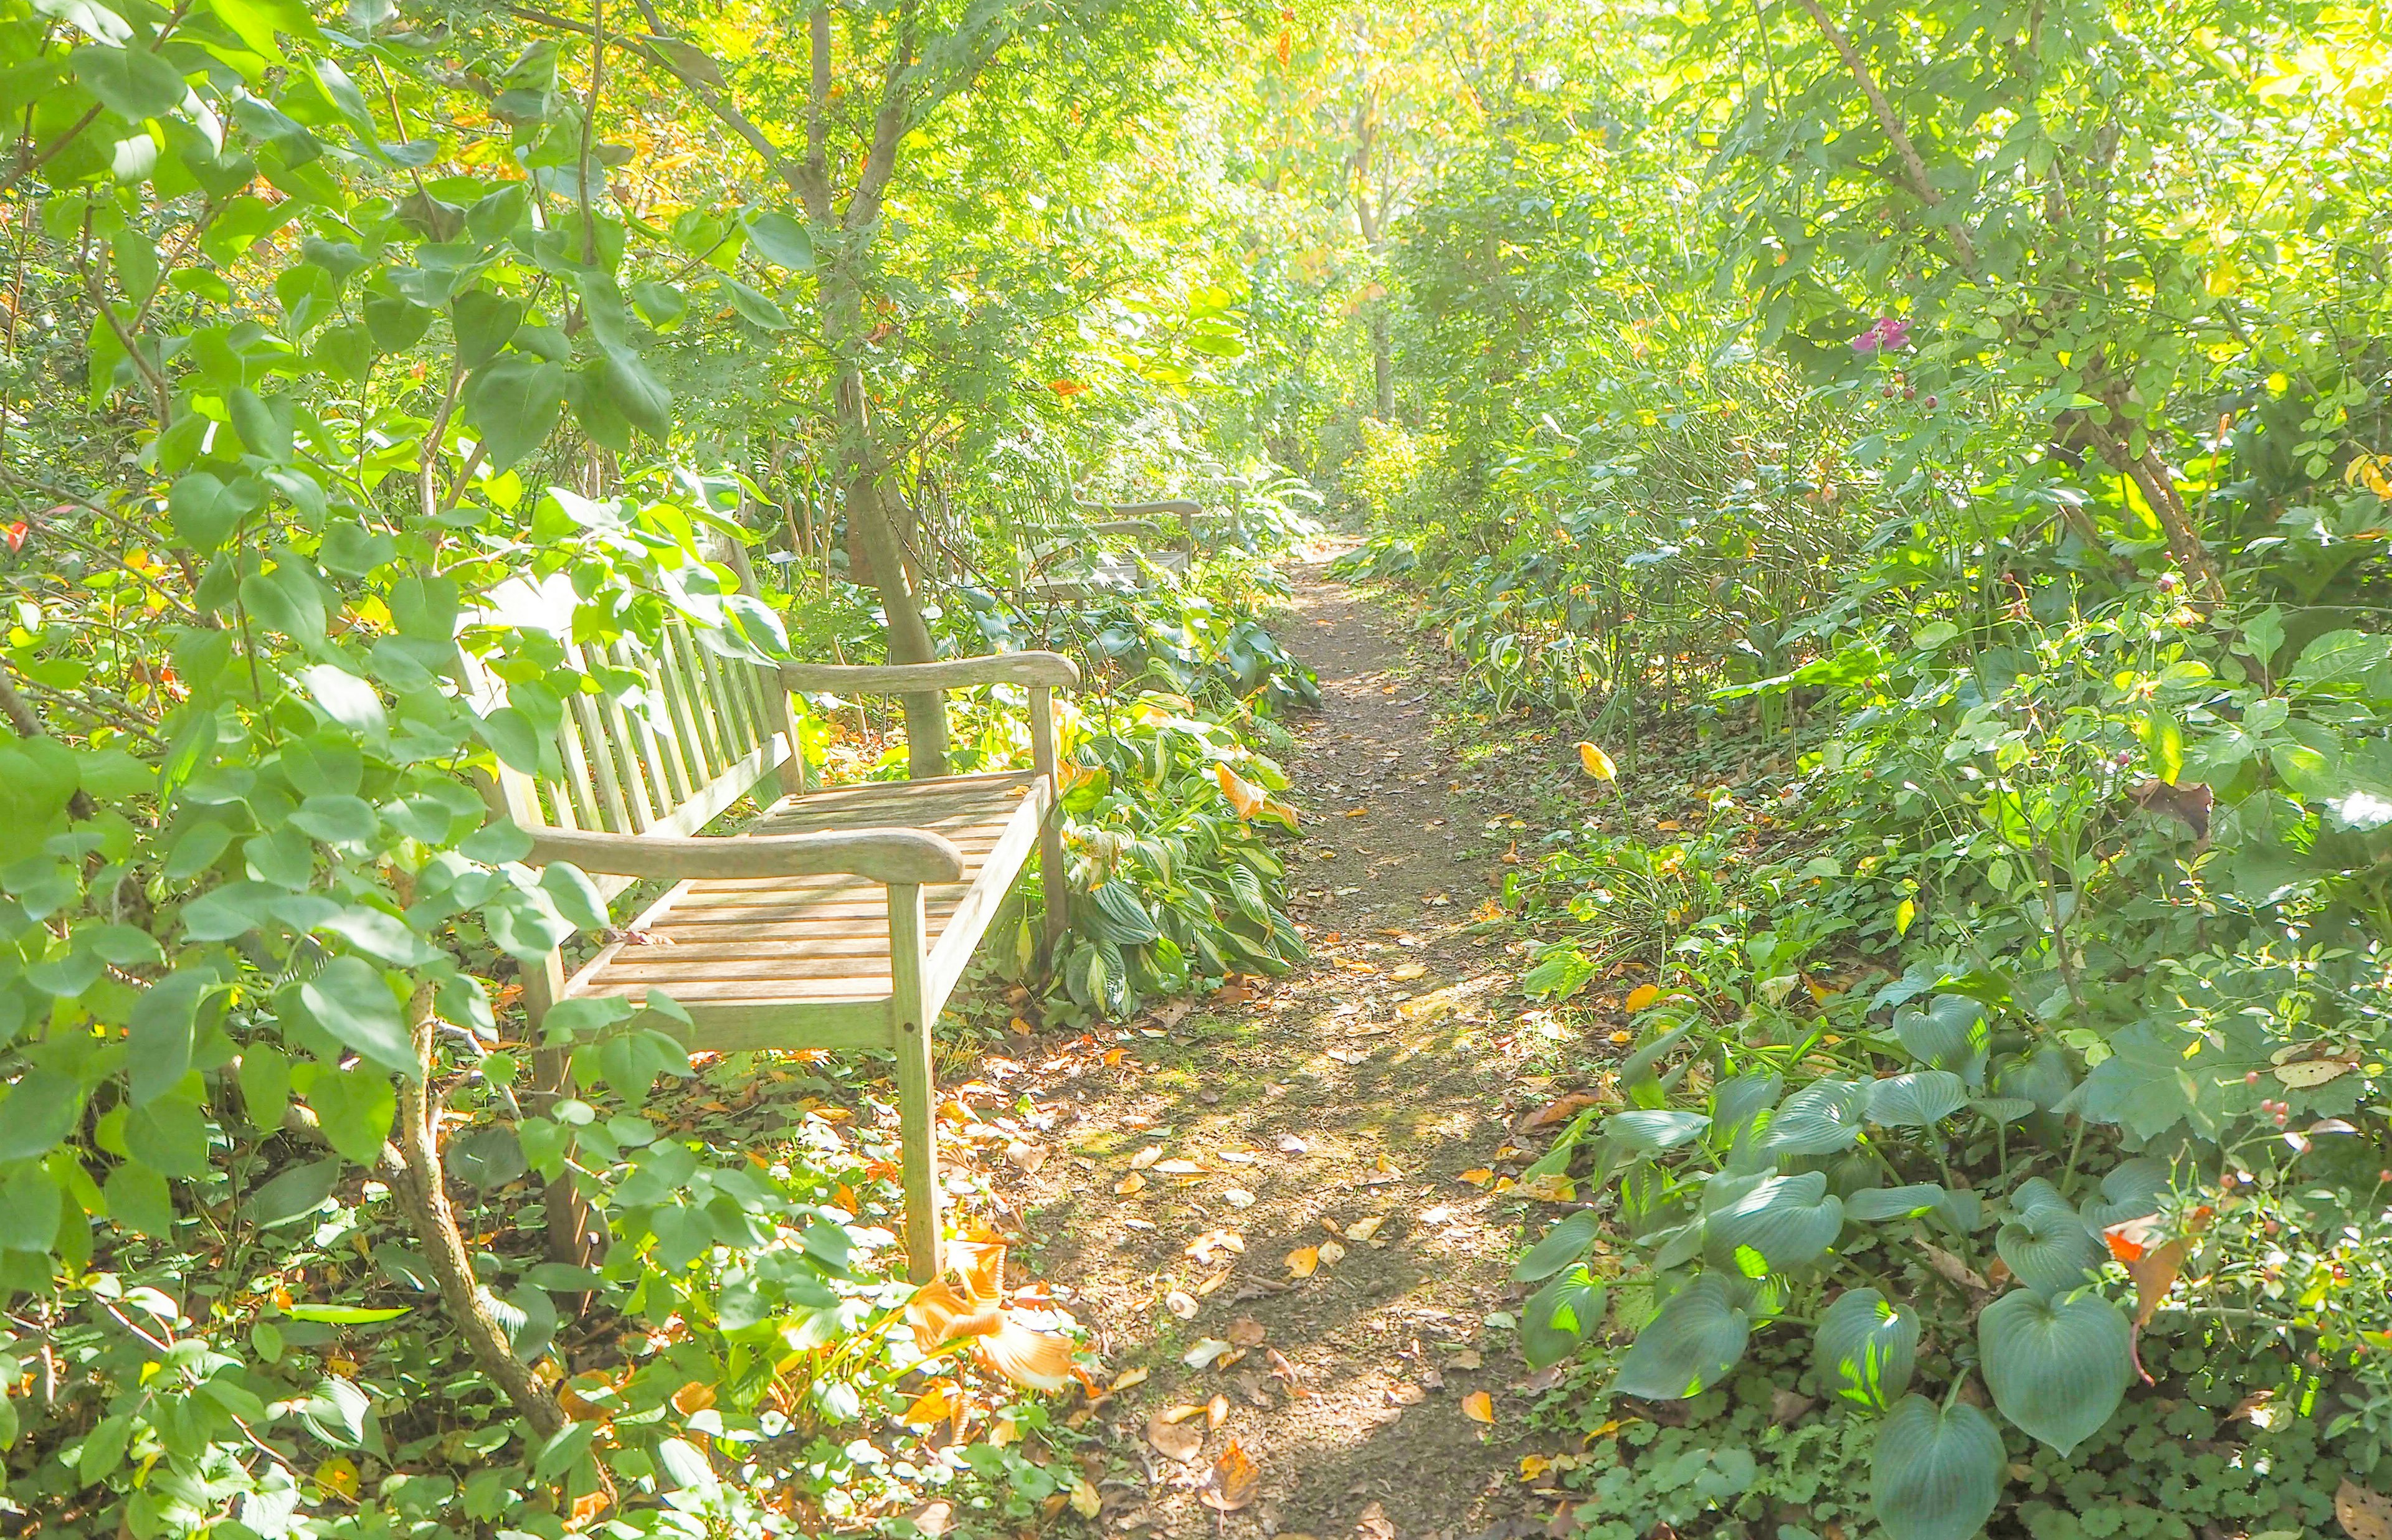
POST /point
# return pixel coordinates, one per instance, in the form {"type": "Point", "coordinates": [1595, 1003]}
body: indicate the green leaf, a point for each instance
{"type": "Point", "coordinates": [1824, 1118]}
{"type": "Point", "coordinates": [2130, 1191]}
{"type": "Point", "coordinates": [1653, 1128]}
{"type": "Point", "coordinates": [1949, 1032]}
{"type": "Point", "coordinates": [1695, 1338]}
{"type": "Point", "coordinates": [206, 511]}
{"type": "Point", "coordinates": [575, 896]}
{"type": "Point", "coordinates": [351, 1000]}
{"type": "Point", "coordinates": [2057, 1368]}
{"type": "Point", "coordinates": [43, 1108]}
{"type": "Point", "coordinates": [1937, 1473]}
{"type": "Point", "coordinates": [486, 323]}
{"type": "Point", "coordinates": [133, 84]}
{"type": "Point", "coordinates": [1557, 1317]}
{"type": "Point", "coordinates": [93, 21]}
{"type": "Point", "coordinates": [1918, 1100]}
{"type": "Point", "coordinates": [140, 1199]}
{"type": "Point", "coordinates": [336, 820]}
{"type": "Point", "coordinates": [1865, 1348]}
{"type": "Point", "coordinates": [347, 1315]}
{"type": "Point", "coordinates": [158, 1042]}
{"type": "Point", "coordinates": [29, 1209]}
{"type": "Point", "coordinates": [513, 404]}
{"type": "Point", "coordinates": [781, 240]}
{"type": "Point", "coordinates": [638, 394]}
{"type": "Point", "coordinates": [757, 309]}
{"type": "Point", "coordinates": [2047, 1247]}
{"type": "Point", "coordinates": [1880, 1203]}
{"type": "Point", "coordinates": [294, 1192]}
{"type": "Point", "coordinates": [1783, 1222]}
{"type": "Point", "coordinates": [355, 1108]}
{"type": "Point", "coordinates": [2336, 657]}
{"type": "Point", "coordinates": [1560, 1246]}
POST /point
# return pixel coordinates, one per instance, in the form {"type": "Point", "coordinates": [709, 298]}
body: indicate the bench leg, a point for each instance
{"type": "Point", "coordinates": [1050, 833]}
{"type": "Point", "coordinates": [917, 1090]}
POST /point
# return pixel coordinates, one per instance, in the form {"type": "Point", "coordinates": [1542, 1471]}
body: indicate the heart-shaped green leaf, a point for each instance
{"type": "Point", "coordinates": [1918, 1100]}
{"type": "Point", "coordinates": [1784, 1221]}
{"type": "Point", "coordinates": [1948, 1032]}
{"type": "Point", "coordinates": [1697, 1337]}
{"type": "Point", "coordinates": [2048, 1248]}
{"type": "Point", "coordinates": [2131, 1191]}
{"type": "Point", "coordinates": [1738, 1101]}
{"type": "Point", "coordinates": [2057, 1368]}
{"type": "Point", "coordinates": [1561, 1246]}
{"type": "Point", "coordinates": [1938, 1471]}
{"type": "Point", "coordinates": [1865, 1348]}
{"type": "Point", "coordinates": [1653, 1129]}
{"type": "Point", "coordinates": [1821, 1119]}
{"type": "Point", "coordinates": [1559, 1316]}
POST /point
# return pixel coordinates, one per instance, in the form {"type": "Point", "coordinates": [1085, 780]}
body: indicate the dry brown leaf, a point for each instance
{"type": "Point", "coordinates": [1953, 1268]}
{"type": "Point", "coordinates": [1234, 1483]}
{"type": "Point", "coordinates": [2363, 1514]}
{"type": "Point", "coordinates": [1407, 1395]}
{"type": "Point", "coordinates": [693, 1398]}
{"type": "Point", "coordinates": [933, 1518]}
{"type": "Point", "coordinates": [1217, 1411]}
{"type": "Point", "coordinates": [1026, 1157]}
{"type": "Point", "coordinates": [1374, 1524]}
{"type": "Point", "coordinates": [1134, 1182]}
{"type": "Point", "coordinates": [1478, 1406]}
{"type": "Point", "coordinates": [1550, 1187]}
{"type": "Point", "coordinates": [1146, 1158]}
{"type": "Point", "coordinates": [1466, 1359]}
{"type": "Point", "coordinates": [1238, 1198]}
{"type": "Point", "coordinates": [1363, 1229]}
{"type": "Point", "coordinates": [1177, 1167]}
{"type": "Point", "coordinates": [1202, 1247]}
{"type": "Point", "coordinates": [1175, 1440]}
{"type": "Point", "coordinates": [1303, 1261]}
{"type": "Point", "coordinates": [1247, 1332]}
{"type": "Point", "coordinates": [1331, 1253]}
{"type": "Point", "coordinates": [1216, 1281]}
{"type": "Point", "coordinates": [1181, 1303]}
{"type": "Point", "coordinates": [1405, 973]}
{"type": "Point", "coordinates": [1561, 1110]}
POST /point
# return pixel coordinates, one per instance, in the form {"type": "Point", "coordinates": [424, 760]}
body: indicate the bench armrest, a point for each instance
{"type": "Point", "coordinates": [1181, 506]}
{"type": "Point", "coordinates": [910, 678]}
{"type": "Point", "coordinates": [881, 855]}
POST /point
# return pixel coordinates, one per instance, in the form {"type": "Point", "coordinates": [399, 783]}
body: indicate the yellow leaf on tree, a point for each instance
{"type": "Point", "coordinates": [1642, 996]}
{"type": "Point", "coordinates": [1596, 763]}
{"type": "Point", "coordinates": [1478, 1406]}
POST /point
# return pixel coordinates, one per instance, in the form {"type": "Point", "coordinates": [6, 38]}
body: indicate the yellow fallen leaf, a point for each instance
{"type": "Point", "coordinates": [1363, 1229]}
{"type": "Point", "coordinates": [1357, 812]}
{"type": "Point", "coordinates": [1623, 1037]}
{"type": "Point", "coordinates": [1478, 1178]}
{"type": "Point", "coordinates": [1303, 1261]}
{"type": "Point", "coordinates": [1331, 1253]}
{"type": "Point", "coordinates": [1217, 1411]}
{"type": "Point", "coordinates": [1596, 763]}
{"type": "Point", "coordinates": [340, 1475]}
{"type": "Point", "coordinates": [1132, 1183]}
{"type": "Point", "coordinates": [1534, 1466]}
{"type": "Point", "coordinates": [1408, 972]}
{"type": "Point", "coordinates": [933, 1406]}
{"type": "Point", "coordinates": [1478, 1406]}
{"type": "Point", "coordinates": [1146, 1158]}
{"type": "Point", "coordinates": [1642, 996]}
{"type": "Point", "coordinates": [1180, 1414]}
{"type": "Point", "coordinates": [1550, 1187]}
{"type": "Point", "coordinates": [1085, 1500]}
{"type": "Point", "coordinates": [1127, 1377]}
{"type": "Point", "coordinates": [1177, 1167]}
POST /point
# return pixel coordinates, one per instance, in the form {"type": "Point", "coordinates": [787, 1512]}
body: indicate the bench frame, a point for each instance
{"type": "Point", "coordinates": [607, 754]}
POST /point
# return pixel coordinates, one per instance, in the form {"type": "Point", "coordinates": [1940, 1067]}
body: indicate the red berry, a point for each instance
{"type": "Point", "coordinates": [2251, 1078]}
{"type": "Point", "coordinates": [1931, 403]}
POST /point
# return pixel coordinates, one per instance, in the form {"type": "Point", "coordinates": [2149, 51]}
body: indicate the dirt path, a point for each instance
{"type": "Point", "coordinates": [1335, 1110]}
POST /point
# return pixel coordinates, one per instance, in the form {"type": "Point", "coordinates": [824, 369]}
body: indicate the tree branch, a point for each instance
{"type": "Point", "coordinates": [1920, 188]}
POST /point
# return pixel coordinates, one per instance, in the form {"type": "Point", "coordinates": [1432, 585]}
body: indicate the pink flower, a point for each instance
{"type": "Point", "coordinates": [1889, 334]}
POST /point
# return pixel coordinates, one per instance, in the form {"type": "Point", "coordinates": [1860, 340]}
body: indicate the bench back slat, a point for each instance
{"type": "Point", "coordinates": [671, 757]}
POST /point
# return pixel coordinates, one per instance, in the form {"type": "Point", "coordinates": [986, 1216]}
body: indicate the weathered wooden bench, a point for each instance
{"type": "Point", "coordinates": [841, 918]}
{"type": "Point", "coordinates": [1066, 568]}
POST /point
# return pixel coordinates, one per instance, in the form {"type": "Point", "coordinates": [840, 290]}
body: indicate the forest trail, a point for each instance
{"type": "Point", "coordinates": [1226, 1147]}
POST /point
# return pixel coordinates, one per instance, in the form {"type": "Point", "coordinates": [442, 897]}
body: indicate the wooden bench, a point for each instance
{"type": "Point", "coordinates": [1066, 568]}
{"type": "Point", "coordinates": [840, 919]}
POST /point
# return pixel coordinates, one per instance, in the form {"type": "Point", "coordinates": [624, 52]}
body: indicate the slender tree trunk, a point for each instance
{"type": "Point", "coordinates": [872, 526]}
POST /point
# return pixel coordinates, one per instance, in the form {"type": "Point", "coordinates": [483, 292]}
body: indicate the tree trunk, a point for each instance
{"type": "Point", "coordinates": [1383, 360]}
{"type": "Point", "coordinates": [871, 526]}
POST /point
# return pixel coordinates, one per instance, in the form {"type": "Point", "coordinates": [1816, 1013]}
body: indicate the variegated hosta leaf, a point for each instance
{"type": "Point", "coordinates": [1822, 1119]}
{"type": "Point", "coordinates": [2057, 1368]}
{"type": "Point", "coordinates": [1865, 1348]}
{"type": "Point", "coordinates": [1918, 1100]}
{"type": "Point", "coordinates": [1697, 1337]}
{"type": "Point", "coordinates": [1781, 1222]}
{"type": "Point", "coordinates": [1938, 1471]}
{"type": "Point", "coordinates": [2048, 1248]}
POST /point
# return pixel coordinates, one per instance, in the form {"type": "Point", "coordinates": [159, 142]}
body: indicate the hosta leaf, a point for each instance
{"type": "Point", "coordinates": [2131, 1191]}
{"type": "Point", "coordinates": [1559, 1316]}
{"type": "Point", "coordinates": [1697, 1337]}
{"type": "Point", "coordinates": [2048, 1247]}
{"type": "Point", "coordinates": [1653, 1129]}
{"type": "Point", "coordinates": [1948, 1032]}
{"type": "Point", "coordinates": [1938, 1471]}
{"type": "Point", "coordinates": [2057, 1368]}
{"type": "Point", "coordinates": [1822, 1119]}
{"type": "Point", "coordinates": [1865, 1348]}
{"type": "Point", "coordinates": [1783, 1222]}
{"type": "Point", "coordinates": [1740, 1099]}
{"type": "Point", "coordinates": [1918, 1100]}
{"type": "Point", "coordinates": [1561, 1246]}
{"type": "Point", "coordinates": [1875, 1203]}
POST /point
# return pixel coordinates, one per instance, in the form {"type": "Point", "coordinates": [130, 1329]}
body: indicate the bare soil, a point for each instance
{"type": "Point", "coordinates": [1201, 1160]}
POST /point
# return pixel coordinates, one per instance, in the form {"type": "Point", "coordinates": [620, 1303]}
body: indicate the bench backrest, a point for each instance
{"type": "Point", "coordinates": [699, 731]}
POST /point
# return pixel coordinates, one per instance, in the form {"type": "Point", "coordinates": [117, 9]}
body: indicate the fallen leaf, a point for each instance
{"type": "Point", "coordinates": [1477, 1178]}
{"type": "Point", "coordinates": [1181, 1303]}
{"type": "Point", "coordinates": [1331, 1253]}
{"type": "Point", "coordinates": [1173, 1440]}
{"type": "Point", "coordinates": [1247, 1332]}
{"type": "Point", "coordinates": [1127, 1377]}
{"type": "Point", "coordinates": [1202, 1247]}
{"type": "Point", "coordinates": [1177, 1167]}
{"type": "Point", "coordinates": [1407, 1395]}
{"type": "Point", "coordinates": [1953, 1268]}
{"type": "Point", "coordinates": [1363, 1229]}
{"type": "Point", "coordinates": [1085, 1500]}
{"type": "Point", "coordinates": [693, 1398]}
{"type": "Point", "coordinates": [1207, 1349]}
{"type": "Point", "coordinates": [1238, 1198]}
{"type": "Point", "coordinates": [1146, 1158]}
{"type": "Point", "coordinates": [1623, 1037]}
{"type": "Point", "coordinates": [933, 1518]}
{"type": "Point", "coordinates": [1217, 1411]}
{"type": "Point", "coordinates": [1374, 1524]}
{"type": "Point", "coordinates": [933, 1407]}
{"type": "Point", "coordinates": [1405, 973]}
{"type": "Point", "coordinates": [1027, 1157]}
{"type": "Point", "coordinates": [1561, 1109]}
{"type": "Point", "coordinates": [2364, 1515]}
{"type": "Point", "coordinates": [1549, 1187]}
{"type": "Point", "coordinates": [1233, 1482]}
{"type": "Point", "coordinates": [1303, 1261]}
{"type": "Point", "coordinates": [1596, 763]}
{"type": "Point", "coordinates": [2306, 1073]}
{"type": "Point", "coordinates": [1534, 1466]}
{"type": "Point", "coordinates": [1466, 1359]}
{"type": "Point", "coordinates": [1134, 1182]}
{"type": "Point", "coordinates": [1478, 1406]}
{"type": "Point", "coordinates": [1642, 996]}
{"type": "Point", "coordinates": [1290, 1144]}
{"type": "Point", "coordinates": [1214, 1282]}
{"type": "Point", "coordinates": [1356, 812]}
{"type": "Point", "coordinates": [1181, 1414]}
